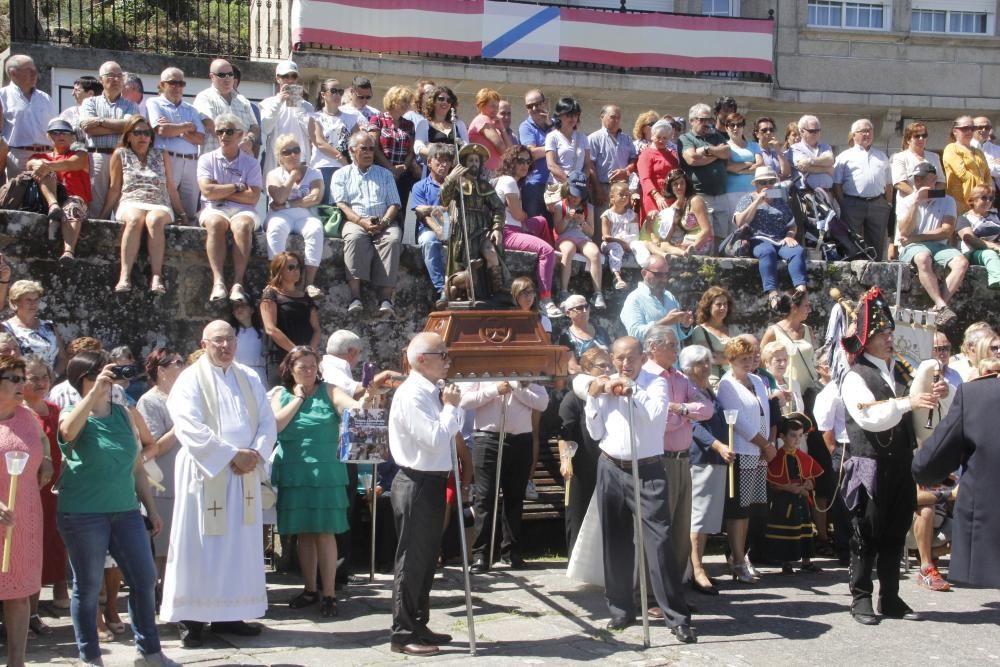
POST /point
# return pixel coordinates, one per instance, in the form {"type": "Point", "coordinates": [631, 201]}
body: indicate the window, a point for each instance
{"type": "Point", "coordinates": [720, 7]}
{"type": "Point", "coordinates": [939, 20]}
{"type": "Point", "coordinates": [855, 15]}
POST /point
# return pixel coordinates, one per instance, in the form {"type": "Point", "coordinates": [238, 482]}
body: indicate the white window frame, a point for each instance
{"type": "Point", "coordinates": [948, 14]}
{"type": "Point", "coordinates": [886, 15]}
{"type": "Point", "coordinates": [733, 9]}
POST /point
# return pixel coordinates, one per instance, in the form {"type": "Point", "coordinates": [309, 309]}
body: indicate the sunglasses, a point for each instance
{"type": "Point", "coordinates": [923, 135]}
{"type": "Point", "coordinates": [294, 150]}
{"type": "Point", "coordinates": [224, 75]}
{"type": "Point", "coordinates": [766, 129]}
{"type": "Point", "coordinates": [705, 120]}
{"type": "Point", "coordinates": [983, 128]}
{"type": "Point", "coordinates": [736, 124]}
{"type": "Point", "coordinates": [142, 133]}
{"type": "Point", "coordinates": [940, 349]}
{"type": "Point", "coordinates": [964, 128]}
{"type": "Point", "coordinates": [362, 97]}
{"type": "Point", "coordinates": [442, 98]}
{"type": "Point", "coordinates": [335, 91]}
{"type": "Point", "coordinates": [815, 130]}
{"type": "Point", "coordinates": [182, 84]}
{"type": "Point", "coordinates": [441, 355]}
{"type": "Point", "coordinates": [228, 131]}
{"type": "Point", "coordinates": [13, 379]}
{"type": "Point", "coordinates": [579, 309]}
{"type": "Point", "coordinates": [290, 75]}
{"type": "Point", "coordinates": [522, 160]}
{"type": "Point", "coordinates": [657, 273]}
{"type": "Point", "coordinates": [533, 105]}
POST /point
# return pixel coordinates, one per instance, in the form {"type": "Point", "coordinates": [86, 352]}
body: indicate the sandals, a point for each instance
{"type": "Point", "coordinates": [304, 599]}
{"type": "Point", "coordinates": [38, 626]}
{"type": "Point", "coordinates": [123, 287]}
{"type": "Point", "coordinates": [219, 293]}
{"type": "Point", "coordinates": [328, 608]}
{"type": "Point", "coordinates": [157, 287]}
{"type": "Point", "coordinates": [56, 213]}
{"type": "Point", "coordinates": [68, 257]}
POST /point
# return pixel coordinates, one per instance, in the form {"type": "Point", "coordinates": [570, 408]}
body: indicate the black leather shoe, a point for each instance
{"type": "Point", "coordinates": [414, 648]}
{"type": "Point", "coordinates": [435, 638]}
{"type": "Point", "coordinates": [684, 634]}
{"type": "Point", "coordinates": [863, 613]}
{"type": "Point", "coordinates": [620, 623]}
{"type": "Point", "coordinates": [241, 628]}
{"type": "Point", "coordinates": [479, 565]}
{"type": "Point", "coordinates": [704, 590]}
{"type": "Point", "coordinates": [898, 609]}
{"type": "Point", "coordinates": [516, 563]}
{"type": "Point", "coordinates": [191, 634]}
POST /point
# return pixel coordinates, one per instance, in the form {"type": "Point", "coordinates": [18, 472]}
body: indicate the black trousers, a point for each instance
{"type": "Point", "coordinates": [839, 515]}
{"type": "Point", "coordinates": [879, 527]}
{"type": "Point", "coordinates": [615, 497]}
{"type": "Point", "coordinates": [418, 507]}
{"type": "Point", "coordinates": [515, 471]}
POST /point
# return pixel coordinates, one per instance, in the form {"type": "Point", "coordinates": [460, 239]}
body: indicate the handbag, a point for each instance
{"type": "Point", "coordinates": [333, 221]}
{"type": "Point", "coordinates": [737, 244]}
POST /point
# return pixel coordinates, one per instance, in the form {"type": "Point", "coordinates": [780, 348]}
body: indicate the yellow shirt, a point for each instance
{"type": "Point", "coordinates": [964, 169]}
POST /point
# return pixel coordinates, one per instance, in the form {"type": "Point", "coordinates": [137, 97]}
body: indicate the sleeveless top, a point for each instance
{"type": "Point", "coordinates": [19, 433]}
{"type": "Point", "coordinates": [294, 313]}
{"type": "Point", "coordinates": [41, 340]}
{"type": "Point", "coordinates": [143, 184]}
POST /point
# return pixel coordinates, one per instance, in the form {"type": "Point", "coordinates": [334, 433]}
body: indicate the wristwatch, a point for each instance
{"type": "Point", "coordinates": [684, 410]}
{"type": "Point", "coordinates": [240, 187]}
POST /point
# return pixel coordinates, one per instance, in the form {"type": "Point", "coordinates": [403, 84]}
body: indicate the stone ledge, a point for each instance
{"type": "Point", "coordinates": [79, 297]}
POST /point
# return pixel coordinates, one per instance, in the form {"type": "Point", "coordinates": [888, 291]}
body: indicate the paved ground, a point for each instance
{"type": "Point", "coordinates": [538, 616]}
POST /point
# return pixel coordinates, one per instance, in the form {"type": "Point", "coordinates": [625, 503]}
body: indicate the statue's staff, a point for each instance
{"type": "Point", "coordinates": [461, 204]}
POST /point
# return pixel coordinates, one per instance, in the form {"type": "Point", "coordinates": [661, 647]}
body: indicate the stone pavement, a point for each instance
{"type": "Point", "coordinates": [538, 616]}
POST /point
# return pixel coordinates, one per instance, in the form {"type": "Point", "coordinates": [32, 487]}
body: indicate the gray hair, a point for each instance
{"type": "Point", "coordinates": [659, 333]}
{"type": "Point", "coordinates": [17, 62]}
{"type": "Point", "coordinates": [170, 73]}
{"type": "Point", "coordinates": [698, 109]}
{"type": "Point", "coordinates": [229, 120]}
{"type": "Point", "coordinates": [438, 149]}
{"type": "Point", "coordinates": [694, 354]}
{"type": "Point", "coordinates": [859, 123]}
{"type": "Point", "coordinates": [661, 126]}
{"type": "Point", "coordinates": [111, 64]}
{"type": "Point", "coordinates": [808, 118]}
{"type": "Point", "coordinates": [132, 80]}
{"type": "Point", "coordinates": [357, 137]}
{"type": "Point", "coordinates": [342, 342]}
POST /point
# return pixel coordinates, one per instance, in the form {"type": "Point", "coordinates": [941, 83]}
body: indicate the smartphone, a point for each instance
{"type": "Point", "coordinates": [935, 194]}
{"type": "Point", "coordinates": [367, 373]}
{"type": "Point", "coordinates": [775, 193]}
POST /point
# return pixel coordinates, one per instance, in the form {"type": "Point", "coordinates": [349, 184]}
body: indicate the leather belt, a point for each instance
{"type": "Point", "coordinates": [866, 198]}
{"type": "Point", "coordinates": [683, 454]}
{"type": "Point", "coordinates": [626, 465]}
{"type": "Point", "coordinates": [413, 472]}
{"type": "Point", "coordinates": [102, 151]}
{"type": "Point", "coordinates": [36, 148]}
{"type": "Point", "coordinates": [192, 156]}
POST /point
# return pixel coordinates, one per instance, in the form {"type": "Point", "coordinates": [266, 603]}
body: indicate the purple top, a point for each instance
{"type": "Point", "coordinates": [215, 167]}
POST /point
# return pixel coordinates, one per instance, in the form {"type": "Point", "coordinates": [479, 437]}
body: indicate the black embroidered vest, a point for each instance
{"type": "Point", "coordinates": [896, 443]}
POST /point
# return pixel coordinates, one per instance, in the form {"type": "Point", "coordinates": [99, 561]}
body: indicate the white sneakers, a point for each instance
{"type": "Point", "coordinates": [551, 309]}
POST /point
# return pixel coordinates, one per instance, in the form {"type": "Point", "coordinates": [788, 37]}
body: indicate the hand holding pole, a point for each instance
{"type": "Point", "coordinates": [16, 462]}
{"type": "Point", "coordinates": [569, 452]}
{"type": "Point", "coordinates": [731, 416]}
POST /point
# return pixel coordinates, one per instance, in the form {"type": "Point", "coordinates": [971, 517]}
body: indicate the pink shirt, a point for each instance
{"type": "Point", "coordinates": [678, 432]}
{"type": "Point", "coordinates": [476, 136]}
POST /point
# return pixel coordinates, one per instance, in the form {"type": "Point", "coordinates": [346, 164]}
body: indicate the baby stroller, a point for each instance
{"type": "Point", "coordinates": [823, 230]}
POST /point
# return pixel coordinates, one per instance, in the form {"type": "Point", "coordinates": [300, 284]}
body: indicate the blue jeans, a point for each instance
{"type": "Point", "coordinates": [88, 536]}
{"type": "Point", "coordinates": [767, 255]}
{"type": "Point", "coordinates": [533, 199]}
{"type": "Point", "coordinates": [430, 246]}
{"type": "Point", "coordinates": [327, 173]}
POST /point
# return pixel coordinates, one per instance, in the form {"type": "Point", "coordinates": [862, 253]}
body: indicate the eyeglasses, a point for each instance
{"type": "Point", "coordinates": [657, 273]}
{"type": "Point", "coordinates": [182, 84]}
{"type": "Point", "coordinates": [768, 182]}
{"type": "Point", "coordinates": [708, 119]}
{"type": "Point", "coordinates": [291, 267]}
{"type": "Point", "coordinates": [442, 98]}
{"type": "Point", "coordinates": [223, 75]}
{"type": "Point", "coordinates": [941, 349]}
{"type": "Point", "coordinates": [863, 131]}
{"type": "Point", "coordinates": [228, 131]}
{"type": "Point", "coordinates": [61, 132]}
{"type": "Point", "coordinates": [142, 133]}
{"type": "Point", "coordinates": [964, 128]}
{"type": "Point", "coordinates": [531, 106]}
{"type": "Point", "coordinates": [362, 97]}
{"type": "Point", "coordinates": [113, 76]}
{"type": "Point", "coordinates": [581, 309]}
{"type": "Point", "coordinates": [983, 128]}
{"type": "Point", "coordinates": [367, 148]}
{"type": "Point", "coordinates": [293, 150]}
{"type": "Point", "coordinates": [222, 340]}
{"type": "Point", "coordinates": [522, 160]}
{"type": "Point", "coordinates": [37, 379]}
{"type": "Point", "coordinates": [736, 124]}
{"type": "Point", "coordinates": [13, 379]}
{"type": "Point", "coordinates": [441, 355]}
{"type": "Point", "coordinates": [814, 130]}
{"type": "Point", "coordinates": [766, 129]}
{"type": "Point", "coordinates": [335, 91]}
{"type": "Point", "coordinates": [923, 135]}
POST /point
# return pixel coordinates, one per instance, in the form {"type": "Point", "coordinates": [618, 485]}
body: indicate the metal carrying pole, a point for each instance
{"type": "Point", "coordinates": [640, 542]}
{"type": "Point", "coordinates": [371, 572]}
{"type": "Point", "coordinates": [465, 549]}
{"type": "Point", "coordinates": [496, 486]}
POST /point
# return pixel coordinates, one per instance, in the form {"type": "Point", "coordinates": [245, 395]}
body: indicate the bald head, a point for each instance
{"type": "Point", "coordinates": [427, 355]}
{"type": "Point", "coordinates": [218, 339]}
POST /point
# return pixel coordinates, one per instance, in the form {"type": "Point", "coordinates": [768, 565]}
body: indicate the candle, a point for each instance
{"type": "Point", "coordinates": [731, 416]}
{"type": "Point", "coordinates": [16, 462]}
{"type": "Point", "coordinates": [569, 452]}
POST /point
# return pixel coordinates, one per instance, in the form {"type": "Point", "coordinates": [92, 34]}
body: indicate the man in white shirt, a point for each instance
{"type": "Point", "coordinates": [226, 431]}
{"type": "Point", "coordinates": [361, 93]}
{"type": "Point", "coordinates": [287, 112]}
{"type": "Point", "coordinates": [607, 416]}
{"type": "Point", "coordinates": [811, 157]}
{"type": "Point", "coordinates": [488, 400]}
{"type": "Point", "coordinates": [221, 97]}
{"type": "Point", "coordinates": [181, 133]}
{"type": "Point", "coordinates": [878, 487]}
{"type": "Point", "coordinates": [862, 183]}
{"type": "Point", "coordinates": [982, 130]}
{"type": "Point", "coordinates": [26, 112]}
{"type": "Point", "coordinates": [831, 417]}
{"type": "Point", "coordinates": [344, 349]}
{"type": "Point", "coordinates": [423, 422]}
{"type": "Point", "coordinates": [925, 225]}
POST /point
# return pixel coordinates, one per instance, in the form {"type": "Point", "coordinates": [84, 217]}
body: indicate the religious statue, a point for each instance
{"type": "Point", "coordinates": [479, 219]}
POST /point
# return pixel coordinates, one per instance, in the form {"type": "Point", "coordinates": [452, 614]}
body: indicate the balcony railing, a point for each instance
{"type": "Point", "coordinates": [516, 32]}
{"type": "Point", "coordinates": [225, 28]}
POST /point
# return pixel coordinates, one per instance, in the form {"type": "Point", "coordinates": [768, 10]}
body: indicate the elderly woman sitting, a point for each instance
{"type": "Point", "coordinates": [772, 230]}
{"type": "Point", "coordinates": [294, 189]}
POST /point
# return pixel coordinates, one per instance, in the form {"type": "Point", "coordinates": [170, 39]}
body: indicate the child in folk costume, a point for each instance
{"type": "Point", "coordinates": [791, 476]}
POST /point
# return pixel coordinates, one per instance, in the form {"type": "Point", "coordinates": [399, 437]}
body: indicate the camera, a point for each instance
{"type": "Point", "coordinates": [579, 210]}
{"type": "Point", "coordinates": [124, 372]}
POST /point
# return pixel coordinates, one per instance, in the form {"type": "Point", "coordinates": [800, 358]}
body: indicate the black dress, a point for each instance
{"type": "Point", "coordinates": [294, 320]}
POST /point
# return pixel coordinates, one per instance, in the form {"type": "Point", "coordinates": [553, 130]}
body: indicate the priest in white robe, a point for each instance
{"type": "Point", "coordinates": [226, 430]}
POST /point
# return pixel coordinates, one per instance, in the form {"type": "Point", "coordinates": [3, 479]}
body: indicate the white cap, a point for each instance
{"type": "Point", "coordinates": [286, 67]}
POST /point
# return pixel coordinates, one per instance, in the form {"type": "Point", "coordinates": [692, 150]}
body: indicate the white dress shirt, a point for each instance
{"type": "Point", "coordinates": [421, 428]}
{"type": "Point", "coordinates": [607, 419]}
{"type": "Point", "coordinates": [337, 372]}
{"type": "Point", "coordinates": [829, 412]}
{"type": "Point", "coordinates": [883, 415]}
{"type": "Point", "coordinates": [483, 397]}
{"type": "Point", "coordinates": [862, 173]}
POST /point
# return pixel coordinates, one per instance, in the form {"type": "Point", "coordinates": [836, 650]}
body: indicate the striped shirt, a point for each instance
{"type": "Point", "coordinates": [210, 104]}
{"type": "Point", "coordinates": [25, 119]}
{"type": "Point", "coordinates": [99, 106]}
{"type": "Point", "coordinates": [184, 112]}
{"type": "Point", "coordinates": [368, 193]}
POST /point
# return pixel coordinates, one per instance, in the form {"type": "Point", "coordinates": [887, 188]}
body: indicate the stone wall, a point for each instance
{"type": "Point", "coordinates": [80, 300]}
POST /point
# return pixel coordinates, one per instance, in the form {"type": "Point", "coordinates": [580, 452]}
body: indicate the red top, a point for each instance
{"type": "Point", "coordinates": [653, 166]}
{"type": "Point", "coordinates": [76, 182]}
{"type": "Point", "coordinates": [777, 469]}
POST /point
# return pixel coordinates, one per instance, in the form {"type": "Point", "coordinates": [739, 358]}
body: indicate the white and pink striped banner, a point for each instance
{"type": "Point", "coordinates": [522, 31]}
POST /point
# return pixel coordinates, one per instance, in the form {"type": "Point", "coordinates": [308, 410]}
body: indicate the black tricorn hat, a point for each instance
{"type": "Point", "coordinates": [873, 316]}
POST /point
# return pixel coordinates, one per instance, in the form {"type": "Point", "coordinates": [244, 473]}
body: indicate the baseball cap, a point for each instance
{"type": "Point", "coordinates": [923, 169]}
{"type": "Point", "coordinates": [59, 125]}
{"type": "Point", "coordinates": [286, 67]}
{"type": "Point", "coordinates": [577, 182]}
